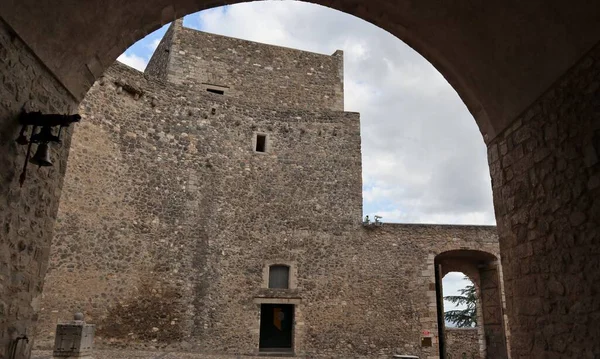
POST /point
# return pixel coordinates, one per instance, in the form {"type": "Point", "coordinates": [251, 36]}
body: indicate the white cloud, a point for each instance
{"type": "Point", "coordinates": [423, 157]}
{"type": "Point", "coordinates": [152, 45]}
{"type": "Point", "coordinates": [451, 284]}
{"type": "Point", "coordinates": [137, 62]}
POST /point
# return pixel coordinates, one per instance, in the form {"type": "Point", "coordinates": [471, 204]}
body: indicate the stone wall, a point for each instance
{"type": "Point", "coordinates": [26, 213]}
{"type": "Point", "coordinates": [270, 76]}
{"type": "Point", "coordinates": [546, 180]}
{"type": "Point", "coordinates": [462, 343]}
{"type": "Point", "coordinates": [158, 66]}
{"type": "Point", "coordinates": [169, 218]}
{"type": "Point", "coordinates": [157, 180]}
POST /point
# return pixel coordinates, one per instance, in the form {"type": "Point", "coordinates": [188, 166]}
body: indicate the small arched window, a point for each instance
{"type": "Point", "coordinates": [279, 276]}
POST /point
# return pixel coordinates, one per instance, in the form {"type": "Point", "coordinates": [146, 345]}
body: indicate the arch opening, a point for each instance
{"type": "Point", "coordinates": [512, 89]}
{"type": "Point", "coordinates": [462, 314]}
{"type": "Point", "coordinates": [136, 137]}
{"type": "Point", "coordinates": [482, 303]}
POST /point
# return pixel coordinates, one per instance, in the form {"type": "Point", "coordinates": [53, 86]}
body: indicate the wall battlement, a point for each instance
{"type": "Point", "coordinates": [265, 74]}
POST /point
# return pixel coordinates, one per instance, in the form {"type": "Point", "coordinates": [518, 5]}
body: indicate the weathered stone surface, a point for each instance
{"type": "Point", "coordinates": [462, 343]}
{"type": "Point", "coordinates": [553, 300]}
{"type": "Point", "coordinates": [278, 76]}
{"type": "Point", "coordinates": [169, 218]}
{"type": "Point", "coordinates": [26, 213]}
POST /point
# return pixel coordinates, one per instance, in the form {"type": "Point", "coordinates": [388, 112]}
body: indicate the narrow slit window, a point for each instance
{"type": "Point", "coordinates": [261, 143]}
{"type": "Point", "coordinates": [218, 92]}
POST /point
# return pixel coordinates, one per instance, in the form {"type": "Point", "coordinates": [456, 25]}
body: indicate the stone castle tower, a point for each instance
{"type": "Point", "coordinates": [271, 76]}
{"type": "Point", "coordinates": [213, 203]}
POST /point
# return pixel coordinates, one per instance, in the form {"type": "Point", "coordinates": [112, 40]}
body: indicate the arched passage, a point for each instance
{"type": "Point", "coordinates": [483, 269]}
{"type": "Point", "coordinates": [461, 338]}
{"type": "Point", "coordinates": [528, 71]}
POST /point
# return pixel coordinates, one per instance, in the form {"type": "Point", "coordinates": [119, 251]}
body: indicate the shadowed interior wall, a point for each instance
{"type": "Point", "coordinates": [26, 213]}
{"type": "Point", "coordinates": [546, 180]}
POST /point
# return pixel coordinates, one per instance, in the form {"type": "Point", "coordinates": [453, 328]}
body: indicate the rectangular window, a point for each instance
{"type": "Point", "coordinates": [279, 276]}
{"type": "Point", "coordinates": [218, 92]}
{"type": "Point", "coordinates": [261, 143]}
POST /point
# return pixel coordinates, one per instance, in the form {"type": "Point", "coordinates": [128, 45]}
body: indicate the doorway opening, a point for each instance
{"type": "Point", "coordinates": [478, 319]}
{"type": "Point", "coordinates": [276, 328]}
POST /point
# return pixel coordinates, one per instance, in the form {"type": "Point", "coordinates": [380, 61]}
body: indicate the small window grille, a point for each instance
{"type": "Point", "coordinates": [279, 276]}
{"type": "Point", "coordinates": [261, 143]}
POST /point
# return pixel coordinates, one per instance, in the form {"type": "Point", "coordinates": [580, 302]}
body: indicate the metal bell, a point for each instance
{"type": "Point", "coordinates": [42, 155]}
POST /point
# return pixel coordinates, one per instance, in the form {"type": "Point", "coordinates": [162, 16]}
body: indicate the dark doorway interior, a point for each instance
{"type": "Point", "coordinates": [276, 327]}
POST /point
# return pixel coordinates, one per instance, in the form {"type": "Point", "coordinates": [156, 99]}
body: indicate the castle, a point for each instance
{"type": "Point", "coordinates": [213, 204]}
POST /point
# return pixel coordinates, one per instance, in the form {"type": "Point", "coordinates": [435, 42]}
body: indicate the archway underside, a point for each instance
{"type": "Point", "coordinates": [499, 56]}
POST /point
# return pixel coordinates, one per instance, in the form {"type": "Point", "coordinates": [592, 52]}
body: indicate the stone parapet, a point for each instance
{"type": "Point", "coordinates": [265, 75]}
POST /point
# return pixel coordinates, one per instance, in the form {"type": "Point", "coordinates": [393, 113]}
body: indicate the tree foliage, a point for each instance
{"type": "Point", "coordinates": [463, 318]}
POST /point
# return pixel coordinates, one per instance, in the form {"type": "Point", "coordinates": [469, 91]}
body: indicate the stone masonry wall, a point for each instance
{"type": "Point", "coordinates": [420, 245]}
{"type": "Point", "coordinates": [158, 66]}
{"type": "Point", "coordinates": [169, 218]}
{"type": "Point", "coordinates": [270, 76]}
{"type": "Point", "coordinates": [26, 213]}
{"type": "Point", "coordinates": [462, 343]}
{"type": "Point", "coordinates": [546, 180]}
{"type": "Point", "coordinates": [151, 180]}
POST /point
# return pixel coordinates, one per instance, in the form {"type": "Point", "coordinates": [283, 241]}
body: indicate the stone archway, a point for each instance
{"type": "Point", "coordinates": [484, 270]}
{"type": "Point", "coordinates": [528, 71]}
{"type": "Point", "coordinates": [476, 46]}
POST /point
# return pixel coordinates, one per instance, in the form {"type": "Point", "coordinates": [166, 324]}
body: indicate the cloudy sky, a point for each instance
{"type": "Point", "coordinates": [424, 159]}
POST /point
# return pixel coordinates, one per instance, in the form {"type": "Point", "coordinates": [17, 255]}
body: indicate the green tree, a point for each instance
{"type": "Point", "coordinates": [463, 318]}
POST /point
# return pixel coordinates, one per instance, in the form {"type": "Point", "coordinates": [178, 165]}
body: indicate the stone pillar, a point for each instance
{"type": "Point", "coordinates": [28, 212]}
{"type": "Point", "coordinates": [491, 305]}
{"type": "Point", "coordinates": [74, 339]}
{"type": "Point", "coordinates": [545, 172]}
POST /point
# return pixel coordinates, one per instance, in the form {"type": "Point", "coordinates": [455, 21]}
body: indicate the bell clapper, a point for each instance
{"type": "Point", "coordinates": [22, 139]}
{"type": "Point", "coordinates": [24, 172]}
